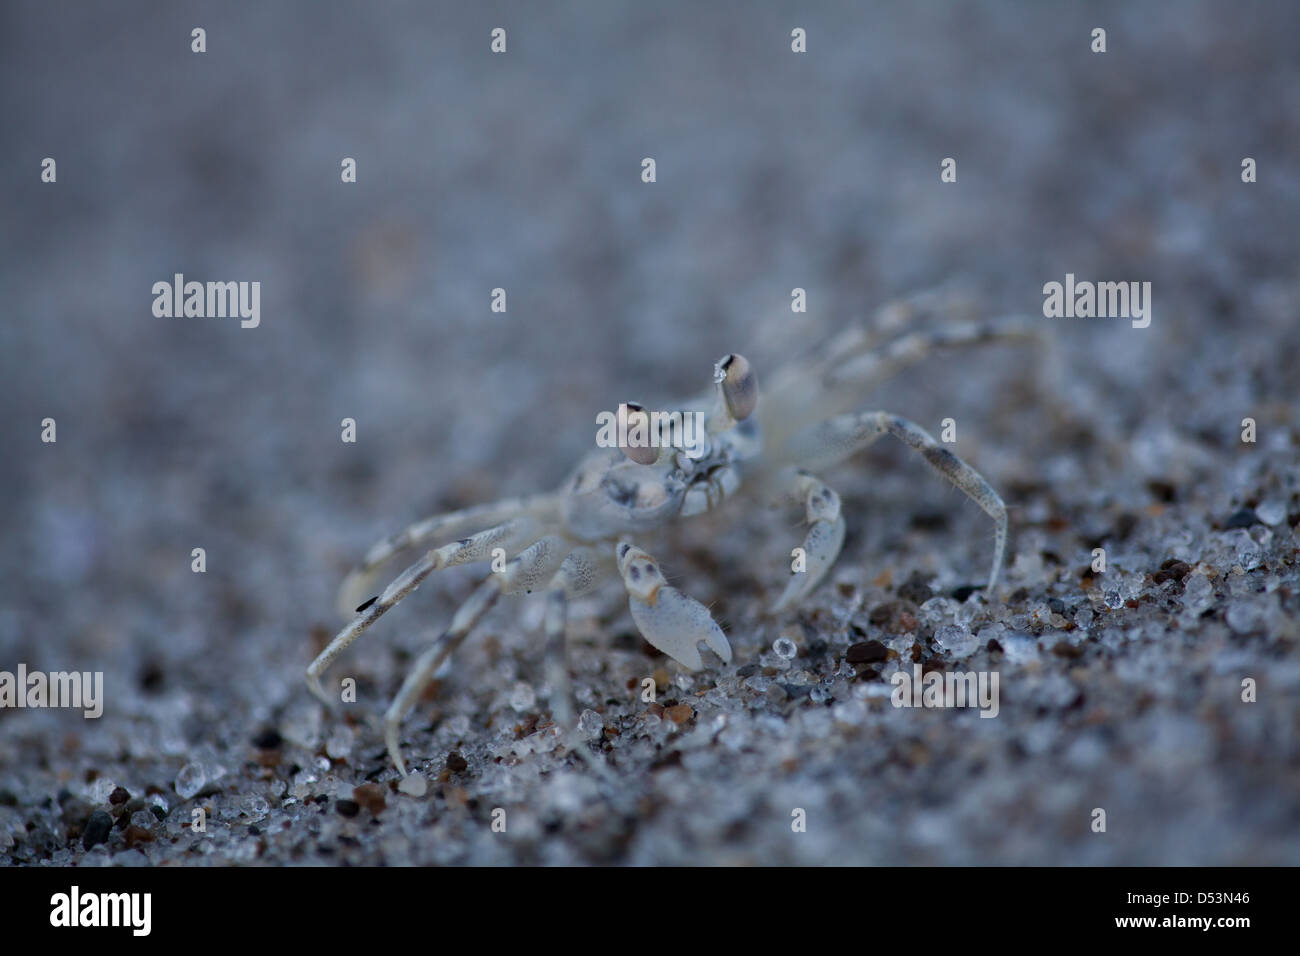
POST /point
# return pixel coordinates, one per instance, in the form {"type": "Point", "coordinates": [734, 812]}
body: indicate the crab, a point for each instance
{"type": "Point", "coordinates": [569, 541]}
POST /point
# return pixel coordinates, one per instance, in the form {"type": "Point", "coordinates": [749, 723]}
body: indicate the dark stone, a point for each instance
{"type": "Point", "coordinates": [268, 739]}
{"type": "Point", "coordinates": [868, 652]}
{"type": "Point", "coordinates": [1241, 519]}
{"type": "Point", "coordinates": [347, 808]}
{"type": "Point", "coordinates": [1162, 491]}
{"type": "Point", "coordinates": [1171, 570]}
{"type": "Point", "coordinates": [151, 677]}
{"type": "Point", "coordinates": [75, 812]}
{"type": "Point", "coordinates": [98, 827]}
{"type": "Point", "coordinates": [915, 589]}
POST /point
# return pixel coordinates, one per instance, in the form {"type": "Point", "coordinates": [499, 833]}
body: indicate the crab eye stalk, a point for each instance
{"type": "Point", "coordinates": [634, 434]}
{"type": "Point", "coordinates": [739, 385]}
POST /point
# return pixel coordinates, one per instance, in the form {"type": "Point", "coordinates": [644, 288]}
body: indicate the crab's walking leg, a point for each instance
{"type": "Point", "coordinates": [865, 368]}
{"type": "Point", "coordinates": [360, 582]}
{"type": "Point", "coordinates": [822, 544]}
{"type": "Point", "coordinates": [508, 536]}
{"type": "Point", "coordinates": [580, 574]}
{"type": "Point", "coordinates": [668, 619]}
{"type": "Point", "coordinates": [532, 568]}
{"type": "Point", "coordinates": [841, 436]}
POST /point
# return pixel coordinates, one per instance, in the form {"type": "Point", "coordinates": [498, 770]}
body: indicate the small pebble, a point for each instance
{"type": "Point", "coordinates": [75, 811]}
{"type": "Point", "coordinates": [456, 763]}
{"type": "Point", "coordinates": [347, 808]}
{"type": "Point", "coordinates": [916, 589]}
{"type": "Point", "coordinates": [97, 829]}
{"type": "Point", "coordinates": [1271, 513]}
{"type": "Point", "coordinates": [1241, 519]}
{"type": "Point", "coordinates": [190, 780]}
{"type": "Point", "coordinates": [414, 785]}
{"type": "Point", "coordinates": [866, 652]}
{"type": "Point", "coordinates": [268, 739]}
{"type": "Point", "coordinates": [370, 796]}
{"type": "Point", "coordinates": [785, 648]}
{"type": "Point", "coordinates": [522, 697]}
{"type": "Point", "coordinates": [679, 714]}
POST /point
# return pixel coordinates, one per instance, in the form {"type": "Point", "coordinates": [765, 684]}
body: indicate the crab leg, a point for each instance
{"type": "Point", "coordinates": [532, 568]}
{"type": "Point", "coordinates": [866, 368]}
{"type": "Point", "coordinates": [837, 438]}
{"type": "Point", "coordinates": [580, 574]}
{"type": "Point", "coordinates": [508, 536]}
{"type": "Point", "coordinates": [822, 544]}
{"type": "Point", "coordinates": [360, 582]}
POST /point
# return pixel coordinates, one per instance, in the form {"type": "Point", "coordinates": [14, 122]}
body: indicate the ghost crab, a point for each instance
{"type": "Point", "coordinates": [568, 541]}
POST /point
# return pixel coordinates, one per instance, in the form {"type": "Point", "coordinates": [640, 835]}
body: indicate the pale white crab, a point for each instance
{"type": "Point", "coordinates": [567, 542]}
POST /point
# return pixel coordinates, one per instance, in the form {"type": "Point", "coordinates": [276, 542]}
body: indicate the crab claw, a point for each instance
{"type": "Point", "coordinates": [669, 620]}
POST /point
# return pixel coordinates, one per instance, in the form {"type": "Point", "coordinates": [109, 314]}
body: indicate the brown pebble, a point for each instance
{"type": "Point", "coordinates": [269, 759]}
{"type": "Point", "coordinates": [897, 617]}
{"type": "Point", "coordinates": [119, 795]}
{"type": "Point", "coordinates": [456, 763]}
{"type": "Point", "coordinates": [916, 589]}
{"type": "Point", "coordinates": [866, 652]}
{"type": "Point", "coordinates": [1066, 649]}
{"type": "Point", "coordinates": [370, 796]}
{"type": "Point", "coordinates": [679, 714]}
{"type": "Point", "coordinates": [136, 835]}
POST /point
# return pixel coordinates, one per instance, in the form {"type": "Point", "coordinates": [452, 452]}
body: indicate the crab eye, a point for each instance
{"type": "Point", "coordinates": [739, 385]}
{"type": "Point", "coordinates": [634, 434]}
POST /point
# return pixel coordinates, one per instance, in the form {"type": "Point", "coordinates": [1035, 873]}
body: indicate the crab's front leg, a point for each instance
{"type": "Point", "coordinates": [821, 546]}
{"type": "Point", "coordinates": [669, 620]}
